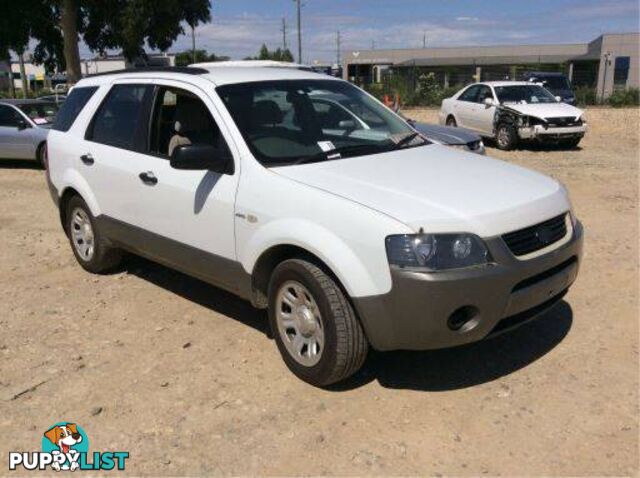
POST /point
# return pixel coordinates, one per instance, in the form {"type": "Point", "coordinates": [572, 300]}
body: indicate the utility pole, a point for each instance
{"type": "Point", "coordinates": [424, 40]}
{"type": "Point", "coordinates": [193, 43]}
{"type": "Point", "coordinates": [284, 33]}
{"type": "Point", "coordinates": [299, 6]}
{"type": "Point", "coordinates": [338, 49]}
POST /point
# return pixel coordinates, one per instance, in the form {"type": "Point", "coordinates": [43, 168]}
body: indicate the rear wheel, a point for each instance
{"type": "Point", "coordinates": [315, 327]}
{"type": "Point", "coordinates": [451, 121]}
{"type": "Point", "coordinates": [506, 137]}
{"type": "Point", "coordinates": [91, 249]}
{"type": "Point", "coordinates": [40, 159]}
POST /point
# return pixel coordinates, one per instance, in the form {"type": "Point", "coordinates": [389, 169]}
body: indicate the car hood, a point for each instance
{"type": "Point", "coordinates": [446, 134]}
{"type": "Point", "coordinates": [440, 189]}
{"type": "Point", "coordinates": [546, 110]}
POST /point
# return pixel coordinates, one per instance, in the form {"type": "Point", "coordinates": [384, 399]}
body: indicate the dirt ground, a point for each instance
{"type": "Point", "coordinates": [184, 377]}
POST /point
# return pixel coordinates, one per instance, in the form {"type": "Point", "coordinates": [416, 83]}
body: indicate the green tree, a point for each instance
{"type": "Point", "coordinates": [277, 55]}
{"type": "Point", "coordinates": [128, 25]}
{"type": "Point", "coordinates": [185, 58]}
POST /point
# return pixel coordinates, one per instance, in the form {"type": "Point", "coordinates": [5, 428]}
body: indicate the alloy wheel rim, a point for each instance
{"type": "Point", "coordinates": [82, 234]}
{"type": "Point", "coordinates": [503, 136]}
{"type": "Point", "coordinates": [300, 323]}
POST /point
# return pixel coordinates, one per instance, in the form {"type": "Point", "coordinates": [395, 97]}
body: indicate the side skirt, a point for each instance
{"type": "Point", "coordinates": [211, 268]}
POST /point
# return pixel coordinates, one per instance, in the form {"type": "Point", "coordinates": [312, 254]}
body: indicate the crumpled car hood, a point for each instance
{"type": "Point", "coordinates": [545, 110]}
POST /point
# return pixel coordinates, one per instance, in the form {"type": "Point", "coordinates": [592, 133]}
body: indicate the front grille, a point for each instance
{"type": "Point", "coordinates": [563, 121]}
{"type": "Point", "coordinates": [533, 238]}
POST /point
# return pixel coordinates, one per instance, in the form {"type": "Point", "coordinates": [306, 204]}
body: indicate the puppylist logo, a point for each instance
{"type": "Point", "coordinates": [65, 446]}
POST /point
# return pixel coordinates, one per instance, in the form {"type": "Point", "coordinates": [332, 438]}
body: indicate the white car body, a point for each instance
{"type": "Point", "coordinates": [341, 212]}
{"type": "Point", "coordinates": [480, 116]}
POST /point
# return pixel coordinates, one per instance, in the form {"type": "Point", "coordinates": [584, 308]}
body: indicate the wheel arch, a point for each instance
{"type": "Point", "coordinates": [269, 260]}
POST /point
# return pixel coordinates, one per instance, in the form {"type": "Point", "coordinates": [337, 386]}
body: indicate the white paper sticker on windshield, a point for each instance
{"type": "Point", "coordinates": [40, 120]}
{"type": "Point", "coordinates": [326, 146]}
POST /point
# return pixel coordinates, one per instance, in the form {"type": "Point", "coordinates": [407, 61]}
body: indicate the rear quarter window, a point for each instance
{"type": "Point", "coordinates": [72, 107]}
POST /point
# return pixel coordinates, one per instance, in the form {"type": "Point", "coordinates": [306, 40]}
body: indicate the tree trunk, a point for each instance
{"type": "Point", "coordinates": [23, 74]}
{"type": "Point", "coordinates": [69, 25]}
{"type": "Point", "coordinates": [12, 86]}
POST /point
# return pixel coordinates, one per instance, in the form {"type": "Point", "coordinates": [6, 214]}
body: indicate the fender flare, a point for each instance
{"type": "Point", "coordinates": [72, 179]}
{"type": "Point", "coordinates": [322, 243]}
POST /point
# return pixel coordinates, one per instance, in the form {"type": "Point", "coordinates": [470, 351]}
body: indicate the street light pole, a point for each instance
{"type": "Point", "coordinates": [299, 7]}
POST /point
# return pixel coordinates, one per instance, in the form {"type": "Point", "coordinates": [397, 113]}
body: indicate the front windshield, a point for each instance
{"type": "Point", "coordinates": [40, 113]}
{"type": "Point", "coordinates": [524, 94]}
{"type": "Point", "coordinates": [298, 121]}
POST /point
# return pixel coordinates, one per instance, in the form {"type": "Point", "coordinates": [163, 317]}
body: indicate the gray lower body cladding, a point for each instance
{"type": "Point", "coordinates": [416, 314]}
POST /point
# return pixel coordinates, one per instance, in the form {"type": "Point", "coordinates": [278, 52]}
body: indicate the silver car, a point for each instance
{"type": "Point", "coordinates": [24, 125]}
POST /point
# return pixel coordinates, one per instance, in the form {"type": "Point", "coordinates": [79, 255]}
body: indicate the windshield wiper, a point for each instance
{"type": "Point", "coordinates": [338, 153]}
{"type": "Point", "coordinates": [407, 140]}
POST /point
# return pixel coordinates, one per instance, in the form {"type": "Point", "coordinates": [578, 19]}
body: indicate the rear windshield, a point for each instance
{"type": "Point", "coordinates": [555, 82]}
{"type": "Point", "coordinates": [40, 113]}
{"type": "Point", "coordinates": [71, 108]}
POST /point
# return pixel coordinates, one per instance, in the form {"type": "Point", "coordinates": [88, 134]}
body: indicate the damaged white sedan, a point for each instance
{"type": "Point", "coordinates": [513, 111]}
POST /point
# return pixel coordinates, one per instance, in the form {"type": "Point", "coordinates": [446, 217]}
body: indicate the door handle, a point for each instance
{"type": "Point", "coordinates": [87, 159]}
{"type": "Point", "coordinates": [148, 178]}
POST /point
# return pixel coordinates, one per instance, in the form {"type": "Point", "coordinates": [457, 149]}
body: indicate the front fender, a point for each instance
{"type": "Point", "coordinates": [356, 277]}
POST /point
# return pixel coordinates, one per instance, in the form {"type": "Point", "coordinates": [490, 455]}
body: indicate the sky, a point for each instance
{"type": "Point", "coordinates": [239, 27]}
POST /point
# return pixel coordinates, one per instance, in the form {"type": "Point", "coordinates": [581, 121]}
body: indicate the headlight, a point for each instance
{"type": "Point", "coordinates": [434, 252]}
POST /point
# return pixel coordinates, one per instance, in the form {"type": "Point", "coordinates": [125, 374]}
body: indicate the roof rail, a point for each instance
{"type": "Point", "coordinates": [189, 70]}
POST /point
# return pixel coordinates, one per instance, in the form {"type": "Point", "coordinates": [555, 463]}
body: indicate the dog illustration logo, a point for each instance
{"type": "Point", "coordinates": [68, 440]}
{"type": "Point", "coordinates": [65, 446]}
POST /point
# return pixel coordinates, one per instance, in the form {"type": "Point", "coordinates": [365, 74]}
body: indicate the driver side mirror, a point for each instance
{"type": "Point", "coordinates": [22, 124]}
{"type": "Point", "coordinates": [347, 124]}
{"type": "Point", "coordinates": [489, 102]}
{"type": "Point", "coordinates": [202, 157]}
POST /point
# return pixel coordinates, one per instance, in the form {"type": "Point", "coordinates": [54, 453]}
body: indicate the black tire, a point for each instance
{"type": "Point", "coordinates": [40, 156]}
{"type": "Point", "coordinates": [570, 143]}
{"type": "Point", "coordinates": [451, 121]}
{"type": "Point", "coordinates": [104, 257]}
{"type": "Point", "coordinates": [345, 345]}
{"type": "Point", "coordinates": [506, 137]}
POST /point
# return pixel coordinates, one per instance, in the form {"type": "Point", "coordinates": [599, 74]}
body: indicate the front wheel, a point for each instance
{"type": "Point", "coordinates": [451, 121]}
{"type": "Point", "coordinates": [571, 143]}
{"type": "Point", "coordinates": [315, 327]}
{"type": "Point", "coordinates": [506, 137]}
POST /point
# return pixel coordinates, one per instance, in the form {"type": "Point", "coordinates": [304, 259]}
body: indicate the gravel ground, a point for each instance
{"type": "Point", "coordinates": [185, 378]}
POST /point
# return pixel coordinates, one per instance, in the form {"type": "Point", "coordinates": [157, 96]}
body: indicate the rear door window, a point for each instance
{"type": "Point", "coordinates": [122, 117]}
{"type": "Point", "coordinates": [71, 108]}
{"type": "Point", "coordinates": [8, 116]}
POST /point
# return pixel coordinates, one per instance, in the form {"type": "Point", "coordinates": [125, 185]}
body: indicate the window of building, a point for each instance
{"type": "Point", "coordinates": [621, 71]}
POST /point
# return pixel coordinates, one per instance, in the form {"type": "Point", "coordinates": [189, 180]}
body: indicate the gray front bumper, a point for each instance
{"type": "Point", "coordinates": [414, 314]}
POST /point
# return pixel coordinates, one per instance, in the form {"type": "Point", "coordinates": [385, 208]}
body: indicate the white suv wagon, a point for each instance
{"type": "Point", "coordinates": [351, 234]}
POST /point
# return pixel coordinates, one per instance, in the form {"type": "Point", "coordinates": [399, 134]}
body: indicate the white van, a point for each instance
{"type": "Point", "coordinates": [351, 236]}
